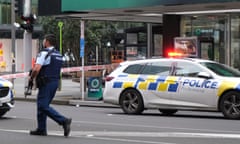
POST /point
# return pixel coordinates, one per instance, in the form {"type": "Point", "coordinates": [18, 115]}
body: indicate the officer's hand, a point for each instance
{"type": "Point", "coordinates": [30, 82]}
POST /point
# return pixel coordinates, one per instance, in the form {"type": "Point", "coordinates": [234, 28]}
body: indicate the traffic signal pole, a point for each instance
{"type": "Point", "coordinates": [27, 41]}
{"type": "Point", "coordinates": [13, 37]}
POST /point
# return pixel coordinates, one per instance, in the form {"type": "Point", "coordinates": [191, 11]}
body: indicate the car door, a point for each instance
{"type": "Point", "coordinates": [154, 79]}
{"type": "Point", "coordinates": [192, 91]}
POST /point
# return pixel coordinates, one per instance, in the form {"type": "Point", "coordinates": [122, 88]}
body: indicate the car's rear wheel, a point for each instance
{"type": "Point", "coordinates": [230, 105]}
{"type": "Point", "coordinates": [131, 102]}
{"type": "Point", "coordinates": [2, 113]}
{"type": "Point", "coordinates": [168, 111]}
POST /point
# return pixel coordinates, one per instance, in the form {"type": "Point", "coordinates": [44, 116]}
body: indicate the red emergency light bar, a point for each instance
{"type": "Point", "coordinates": [175, 54]}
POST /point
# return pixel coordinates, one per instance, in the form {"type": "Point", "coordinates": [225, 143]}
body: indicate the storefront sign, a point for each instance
{"type": "Point", "coordinates": [199, 32]}
{"type": "Point", "coordinates": [89, 5]}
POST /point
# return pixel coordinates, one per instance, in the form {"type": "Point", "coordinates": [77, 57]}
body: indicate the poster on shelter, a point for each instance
{"type": "Point", "coordinates": [186, 45]}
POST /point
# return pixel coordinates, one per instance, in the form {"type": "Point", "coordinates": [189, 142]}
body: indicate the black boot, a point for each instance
{"type": "Point", "coordinates": [67, 126]}
{"type": "Point", "coordinates": [38, 132]}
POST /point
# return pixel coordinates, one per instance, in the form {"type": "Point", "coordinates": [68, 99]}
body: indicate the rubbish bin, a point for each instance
{"type": "Point", "coordinates": [95, 88]}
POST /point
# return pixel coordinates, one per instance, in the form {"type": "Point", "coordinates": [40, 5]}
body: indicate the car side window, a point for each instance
{"type": "Point", "coordinates": [187, 69]}
{"type": "Point", "coordinates": [157, 68]}
{"type": "Point", "coordinates": [134, 69]}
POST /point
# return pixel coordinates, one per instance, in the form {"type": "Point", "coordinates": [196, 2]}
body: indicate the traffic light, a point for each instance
{"type": "Point", "coordinates": [28, 23]}
{"type": "Point", "coordinates": [18, 7]}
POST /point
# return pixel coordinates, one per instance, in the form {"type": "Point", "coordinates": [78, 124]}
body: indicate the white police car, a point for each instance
{"type": "Point", "coordinates": [170, 85]}
{"type": "Point", "coordinates": [6, 96]}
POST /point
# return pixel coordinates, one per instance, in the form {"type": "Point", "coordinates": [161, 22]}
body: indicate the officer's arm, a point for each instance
{"type": "Point", "coordinates": [35, 71]}
{"type": "Point", "coordinates": [38, 65]}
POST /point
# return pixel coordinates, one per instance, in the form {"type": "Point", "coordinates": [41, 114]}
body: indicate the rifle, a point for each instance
{"type": "Point", "coordinates": [28, 88]}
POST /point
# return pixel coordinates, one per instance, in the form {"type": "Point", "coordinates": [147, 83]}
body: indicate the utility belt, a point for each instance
{"type": "Point", "coordinates": [43, 80]}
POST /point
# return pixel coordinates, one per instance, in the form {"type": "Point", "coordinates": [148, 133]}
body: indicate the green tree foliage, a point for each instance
{"type": "Point", "coordinates": [97, 33]}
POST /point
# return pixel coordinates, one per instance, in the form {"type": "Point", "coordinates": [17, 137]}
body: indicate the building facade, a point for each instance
{"type": "Point", "coordinates": [6, 55]}
{"type": "Point", "coordinates": [216, 23]}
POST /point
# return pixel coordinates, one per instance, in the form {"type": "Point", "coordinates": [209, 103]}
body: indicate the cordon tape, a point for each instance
{"type": "Point", "coordinates": [64, 70]}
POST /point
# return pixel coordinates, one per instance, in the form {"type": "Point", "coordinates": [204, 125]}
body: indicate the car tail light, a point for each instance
{"type": "Point", "coordinates": [109, 78]}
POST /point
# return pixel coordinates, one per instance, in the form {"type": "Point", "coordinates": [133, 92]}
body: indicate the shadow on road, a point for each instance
{"type": "Point", "coordinates": [192, 116]}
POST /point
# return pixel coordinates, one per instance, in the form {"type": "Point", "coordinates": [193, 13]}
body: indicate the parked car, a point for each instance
{"type": "Point", "coordinates": [172, 84]}
{"type": "Point", "coordinates": [6, 96]}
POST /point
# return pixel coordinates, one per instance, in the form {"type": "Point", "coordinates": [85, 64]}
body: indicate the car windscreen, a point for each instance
{"type": "Point", "coordinates": [221, 69]}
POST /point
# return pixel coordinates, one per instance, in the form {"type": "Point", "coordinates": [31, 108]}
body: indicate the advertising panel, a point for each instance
{"type": "Point", "coordinates": [187, 46]}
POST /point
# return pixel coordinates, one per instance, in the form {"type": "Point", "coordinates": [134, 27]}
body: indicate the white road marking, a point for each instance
{"type": "Point", "coordinates": [130, 140]}
{"type": "Point", "coordinates": [146, 126]}
{"type": "Point", "coordinates": [135, 134]}
{"type": "Point", "coordinates": [78, 134]}
{"type": "Point", "coordinates": [155, 134]}
{"type": "Point", "coordinates": [158, 127]}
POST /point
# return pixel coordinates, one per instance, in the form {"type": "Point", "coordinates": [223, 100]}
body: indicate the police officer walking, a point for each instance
{"type": "Point", "coordinates": [46, 71]}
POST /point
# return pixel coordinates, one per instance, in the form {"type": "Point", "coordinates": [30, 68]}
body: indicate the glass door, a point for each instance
{"type": "Point", "coordinates": [206, 48]}
{"type": "Point", "coordinates": [213, 27]}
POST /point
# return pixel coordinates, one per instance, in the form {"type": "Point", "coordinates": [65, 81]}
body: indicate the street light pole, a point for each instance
{"type": "Point", "coordinates": [27, 40]}
{"type": "Point", "coordinates": [60, 25]}
{"type": "Point", "coordinates": [82, 53]}
{"type": "Point", "coordinates": [13, 36]}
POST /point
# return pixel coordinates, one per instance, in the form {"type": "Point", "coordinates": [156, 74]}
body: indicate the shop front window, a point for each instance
{"type": "Point", "coordinates": [5, 12]}
{"type": "Point", "coordinates": [235, 41]}
{"type": "Point", "coordinates": [208, 26]}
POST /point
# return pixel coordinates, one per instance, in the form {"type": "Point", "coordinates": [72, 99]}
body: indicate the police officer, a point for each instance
{"type": "Point", "coordinates": [46, 71]}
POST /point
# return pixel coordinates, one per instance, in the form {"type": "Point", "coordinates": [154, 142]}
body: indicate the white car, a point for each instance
{"type": "Point", "coordinates": [6, 96]}
{"type": "Point", "coordinates": [171, 84]}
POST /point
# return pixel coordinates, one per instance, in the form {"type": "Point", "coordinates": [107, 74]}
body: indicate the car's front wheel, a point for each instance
{"type": "Point", "coordinates": [131, 102]}
{"type": "Point", "coordinates": [230, 105]}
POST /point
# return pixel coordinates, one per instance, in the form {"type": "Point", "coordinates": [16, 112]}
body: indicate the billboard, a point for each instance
{"type": "Point", "coordinates": [187, 46]}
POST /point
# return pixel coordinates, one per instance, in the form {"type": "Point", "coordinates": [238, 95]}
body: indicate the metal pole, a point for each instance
{"type": "Point", "coordinates": [13, 37]}
{"type": "Point", "coordinates": [60, 25]}
{"type": "Point", "coordinates": [149, 40]}
{"type": "Point", "coordinates": [228, 39]}
{"type": "Point", "coordinates": [27, 41]}
{"type": "Point", "coordinates": [26, 8]}
{"type": "Point", "coordinates": [97, 56]}
{"type": "Point", "coordinates": [82, 54]}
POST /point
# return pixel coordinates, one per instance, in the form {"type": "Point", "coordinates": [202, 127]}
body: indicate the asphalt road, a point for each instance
{"type": "Point", "coordinates": [93, 125]}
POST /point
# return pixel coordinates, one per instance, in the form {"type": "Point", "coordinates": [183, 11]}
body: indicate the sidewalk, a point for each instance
{"type": "Point", "coordinates": [70, 94]}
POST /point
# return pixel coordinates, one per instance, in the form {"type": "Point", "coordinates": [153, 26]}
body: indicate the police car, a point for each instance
{"type": "Point", "coordinates": [172, 84]}
{"type": "Point", "coordinates": [6, 96]}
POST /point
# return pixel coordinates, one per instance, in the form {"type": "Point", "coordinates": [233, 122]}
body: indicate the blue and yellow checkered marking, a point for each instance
{"type": "Point", "coordinates": [225, 85]}
{"type": "Point", "coordinates": [151, 82]}
{"type": "Point", "coordinates": [117, 85]}
{"type": "Point", "coordinates": [173, 87]}
{"type": "Point", "coordinates": [152, 86]}
{"type": "Point", "coordinates": [170, 83]}
{"type": "Point", "coordinates": [123, 76]}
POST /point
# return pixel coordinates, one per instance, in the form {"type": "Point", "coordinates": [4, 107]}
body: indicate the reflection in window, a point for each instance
{"type": "Point", "coordinates": [187, 69]}
{"type": "Point", "coordinates": [133, 69]}
{"type": "Point", "coordinates": [221, 69]}
{"type": "Point", "coordinates": [157, 68]}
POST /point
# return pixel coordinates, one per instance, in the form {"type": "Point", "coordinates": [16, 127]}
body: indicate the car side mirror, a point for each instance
{"type": "Point", "coordinates": [204, 75]}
